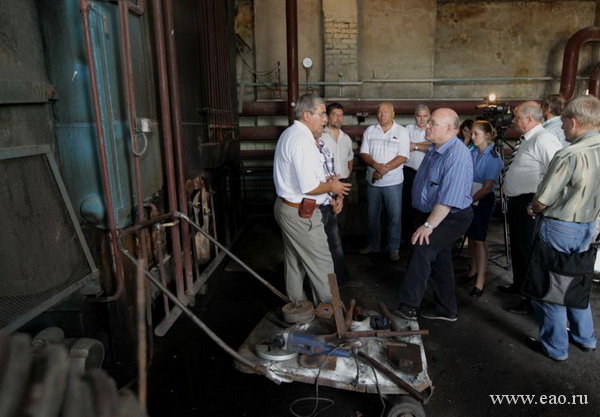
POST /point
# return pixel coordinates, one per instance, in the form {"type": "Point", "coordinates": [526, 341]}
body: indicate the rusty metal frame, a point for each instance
{"type": "Point", "coordinates": [172, 314]}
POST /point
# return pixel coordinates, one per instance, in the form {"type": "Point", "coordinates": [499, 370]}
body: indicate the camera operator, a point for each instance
{"type": "Point", "coordinates": [523, 173]}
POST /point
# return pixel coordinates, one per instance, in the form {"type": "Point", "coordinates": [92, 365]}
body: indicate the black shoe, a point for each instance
{"type": "Point", "coordinates": [476, 293]}
{"type": "Point", "coordinates": [521, 308]}
{"type": "Point", "coordinates": [406, 312]}
{"type": "Point", "coordinates": [536, 346]}
{"type": "Point", "coordinates": [511, 289]}
{"type": "Point", "coordinates": [433, 314]}
{"type": "Point", "coordinates": [579, 345]}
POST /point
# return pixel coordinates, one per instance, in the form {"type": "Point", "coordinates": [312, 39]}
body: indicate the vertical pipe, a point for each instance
{"type": "Point", "coordinates": [594, 86]}
{"type": "Point", "coordinates": [176, 114]}
{"type": "Point", "coordinates": [132, 113]}
{"type": "Point", "coordinates": [130, 100]}
{"type": "Point", "coordinates": [291, 25]}
{"type": "Point", "coordinates": [142, 331]}
{"type": "Point", "coordinates": [571, 58]}
{"type": "Point", "coordinates": [118, 264]}
{"type": "Point", "coordinates": [163, 87]}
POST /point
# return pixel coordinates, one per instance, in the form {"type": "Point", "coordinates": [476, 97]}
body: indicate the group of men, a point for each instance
{"type": "Point", "coordinates": [425, 170]}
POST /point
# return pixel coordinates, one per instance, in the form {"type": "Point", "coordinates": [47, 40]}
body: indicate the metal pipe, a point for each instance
{"type": "Point", "coordinates": [291, 26]}
{"type": "Point", "coordinates": [84, 8]}
{"type": "Point", "coordinates": [257, 368]}
{"type": "Point", "coordinates": [132, 112]}
{"type": "Point", "coordinates": [369, 107]}
{"type": "Point", "coordinates": [232, 256]}
{"type": "Point", "coordinates": [594, 86]}
{"type": "Point", "coordinates": [167, 139]}
{"type": "Point", "coordinates": [139, 8]}
{"type": "Point", "coordinates": [391, 375]}
{"type": "Point", "coordinates": [141, 333]}
{"type": "Point", "coordinates": [571, 58]}
{"type": "Point", "coordinates": [176, 114]}
{"type": "Point", "coordinates": [405, 81]}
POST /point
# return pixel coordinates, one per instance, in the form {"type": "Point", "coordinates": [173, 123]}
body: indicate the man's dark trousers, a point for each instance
{"type": "Point", "coordinates": [335, 242]}
{"type": "Point", "coordinates": [408, 211]}
{"type": "Point", "coordinates": [433, 263]}
{"type": "Point", "coordinates": [521, 227]}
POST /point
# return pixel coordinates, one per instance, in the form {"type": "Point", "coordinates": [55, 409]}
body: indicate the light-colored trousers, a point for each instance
{"type": "Point", "coordinates": [306, 252]}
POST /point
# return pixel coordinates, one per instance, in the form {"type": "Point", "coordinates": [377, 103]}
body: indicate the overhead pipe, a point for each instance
{"type": "Point", "coordinates": [291, 26]}
{"type": "Point", "coordinates": [369, 107]}
{"type": "Point", "coordinates": [405, 81]}
{"type": "Point", "coordinates": [594, 85]}
{"type": "Point", "coordinates": [571, 58]}
{"type": "Point", "coordinates": [84, 8]}
{"type": "Point", "coordinates": [163, 87]}
{"type": "Point", "coordinates": [176, 114]}
{"type": "Point", "coordinates": [258, 133]}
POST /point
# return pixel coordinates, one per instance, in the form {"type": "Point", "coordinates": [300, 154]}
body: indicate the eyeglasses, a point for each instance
{"type": "Point", "coordinates": [324, 114]}
{"type": "Point", "coordinates": [432, 123]}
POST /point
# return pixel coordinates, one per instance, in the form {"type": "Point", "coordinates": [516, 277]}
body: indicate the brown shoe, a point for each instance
{"type": "Point", "coordinates": [366, 251]}
{"type": "Point", "coordinates": [394, 256]}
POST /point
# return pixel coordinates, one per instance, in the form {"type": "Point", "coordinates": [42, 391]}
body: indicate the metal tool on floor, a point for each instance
{"type": "Point", "coordinates": [294, 340]}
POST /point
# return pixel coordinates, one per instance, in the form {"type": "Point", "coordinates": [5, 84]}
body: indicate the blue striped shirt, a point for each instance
{"type": "Point", "coordinates": [444, 177]}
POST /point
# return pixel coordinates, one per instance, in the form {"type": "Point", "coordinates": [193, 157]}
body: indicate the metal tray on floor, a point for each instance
{"type": "Point", "coordinates": [348, 373]}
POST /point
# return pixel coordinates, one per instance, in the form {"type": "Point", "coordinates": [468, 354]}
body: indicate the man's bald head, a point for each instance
{"type": "Point", "coordinates": [442, 126]}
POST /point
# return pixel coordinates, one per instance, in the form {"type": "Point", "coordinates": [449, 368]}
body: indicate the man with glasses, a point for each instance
{"type": "Point", "coordinates": [384, 148]}
{"type": "Point", "coordinates": [442, 197]}
{"type": "Point", "coordinates": [299, 175]}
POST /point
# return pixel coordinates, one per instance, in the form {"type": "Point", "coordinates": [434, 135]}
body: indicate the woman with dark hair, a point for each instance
{"type": "Point", "coordinates": [464, 133]}
{"type": "Point", "coordinates": [487, 165]}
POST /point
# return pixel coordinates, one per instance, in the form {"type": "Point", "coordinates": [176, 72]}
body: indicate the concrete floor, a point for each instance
{"type": "Point", "coordinates": [482, 354]}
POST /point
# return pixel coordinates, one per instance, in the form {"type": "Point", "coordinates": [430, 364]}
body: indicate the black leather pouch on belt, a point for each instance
{"type": "Point", "coordinates": [307, 208]}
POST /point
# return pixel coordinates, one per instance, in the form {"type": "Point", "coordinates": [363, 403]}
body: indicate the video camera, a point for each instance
{"type": "Point", "coordinates": [500, 115]}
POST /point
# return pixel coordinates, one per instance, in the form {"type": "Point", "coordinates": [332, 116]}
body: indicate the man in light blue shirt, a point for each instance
{"type": "Point", "coordinates": [442, 195]}
{"type": "Point", "coordinates": [553, 106]}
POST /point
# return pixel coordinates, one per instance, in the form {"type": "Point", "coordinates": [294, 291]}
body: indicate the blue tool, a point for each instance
{"type": "Point", "coordinates": [294, 340]}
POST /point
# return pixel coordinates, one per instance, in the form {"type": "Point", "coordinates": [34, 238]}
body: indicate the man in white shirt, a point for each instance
{"type": "Point", "coordinates": [416, 133]}
{"type": "Point", "coordinates": [524, 172]}
{"type": "Point", "coordinates": [338, 142]}
{"type": "Point", "coordinates": [298, 174]}
{"type": "Point", "coordinates": [384, 148]}
{"type": "Point", "coordinates": [339, 147]}
{"type": "Point", "coordinates": [553, 106]}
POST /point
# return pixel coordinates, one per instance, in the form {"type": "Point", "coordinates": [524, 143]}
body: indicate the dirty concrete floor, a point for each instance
{"type": "Point", "coordinates": [482, 354]}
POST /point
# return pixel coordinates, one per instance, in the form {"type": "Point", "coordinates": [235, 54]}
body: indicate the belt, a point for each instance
{"type": "Point", "coordinates": [289, 203]}
{"type": "Point", "coordinates": [297, 205]}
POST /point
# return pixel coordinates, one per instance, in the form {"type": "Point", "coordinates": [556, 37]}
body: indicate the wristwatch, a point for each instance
{"type": "Point", "coordinates": [429, 225]}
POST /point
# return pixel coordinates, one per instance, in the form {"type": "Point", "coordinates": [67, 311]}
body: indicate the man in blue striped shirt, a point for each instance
{"type": "Point", "coordinates": [442, 195]}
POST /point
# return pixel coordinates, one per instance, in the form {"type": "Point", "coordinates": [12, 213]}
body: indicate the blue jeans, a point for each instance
{"type": "Point", "coordinates": [391, 198]}
{"type": "Point", "coordinates": [567, 237]}
{"type": "Point", "coordinates": [554, 319]}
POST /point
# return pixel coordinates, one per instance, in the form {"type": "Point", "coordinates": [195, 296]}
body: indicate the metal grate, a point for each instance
{"type": "Point", "coordinates": [43, 256]}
